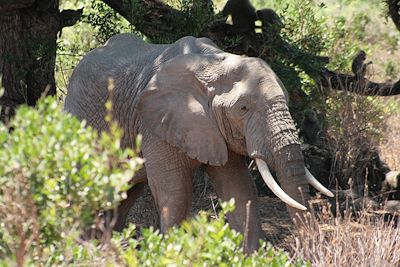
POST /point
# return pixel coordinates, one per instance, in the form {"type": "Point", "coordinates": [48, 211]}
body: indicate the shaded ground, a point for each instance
{"type": "Point", "coordinates": [274, 217]}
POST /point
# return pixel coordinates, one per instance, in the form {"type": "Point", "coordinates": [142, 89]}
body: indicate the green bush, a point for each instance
{"type": "Point", "coordinates": [104, 20]}
{"type": "Point", "coordinates": [55, 175]}
{"type": "Point", "coordinates": [201, 242]}
{"type": "Point", "coordinates": [198, 242]}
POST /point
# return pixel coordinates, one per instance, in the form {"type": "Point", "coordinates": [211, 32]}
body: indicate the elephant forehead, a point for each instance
{"type": "Point", "coordinates": [256, 89]}
{"type": "Point", "coordinates": [272, 91]}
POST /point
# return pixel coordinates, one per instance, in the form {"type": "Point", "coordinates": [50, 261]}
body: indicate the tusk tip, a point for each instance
{"type": "Point", "coordinates": [316, 184]}
{"type": "Point", "coordinates": [275, 188]}
{"type": "Point", "coordinates": [329, 194]}
{"type": "Point", "coordinates": [303, 208]}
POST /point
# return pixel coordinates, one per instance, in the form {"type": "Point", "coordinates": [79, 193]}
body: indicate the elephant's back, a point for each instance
{"type": "Point", "coordinates": [125, 47]}
{"type": "Point", "coordinates": [117, 64]}
{"type": "Point", "coordinates": [122, 54]}
{"type": "Point", "coordinates": [122, 50]}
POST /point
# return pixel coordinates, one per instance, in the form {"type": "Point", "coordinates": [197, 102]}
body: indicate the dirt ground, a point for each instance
{"type": "Point", "coordinates": [275, 220]}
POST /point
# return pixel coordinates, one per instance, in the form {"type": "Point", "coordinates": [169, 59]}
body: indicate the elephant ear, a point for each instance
{"type": "Point", "coordinates": [175, 107]}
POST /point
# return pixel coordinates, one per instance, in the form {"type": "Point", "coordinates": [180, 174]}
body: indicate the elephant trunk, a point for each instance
{"type": "Point", "coordinates": [275, 188]}
{"type": "Point", "coordinates": [271, 137]}
{"type": "Point", "coordinates": [290, 169]}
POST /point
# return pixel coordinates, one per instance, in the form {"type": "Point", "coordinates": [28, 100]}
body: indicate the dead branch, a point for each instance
{"type": "Point", "coordinates": [346, 82]}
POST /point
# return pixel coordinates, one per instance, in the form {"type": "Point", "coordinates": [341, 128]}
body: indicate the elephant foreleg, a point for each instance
{"type": "Point", "coordinates": [169, 173]}
{"type": "Point", "coordinates": [125, 206]}
{"type": "Point", "coordinates": [118, 217]}
{"type": "Point", "coordinates": [234, 181]}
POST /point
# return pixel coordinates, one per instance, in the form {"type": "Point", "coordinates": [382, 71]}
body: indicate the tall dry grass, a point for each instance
{"type": "Point", "coordinates": [357, 126]}
{"type": "Point", "coordinates": [367, 240]}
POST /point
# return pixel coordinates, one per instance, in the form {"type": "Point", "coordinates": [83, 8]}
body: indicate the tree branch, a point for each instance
{"type": "Point", "coordinates": [346, 82]}
{"type": "Point", "coordinates": [394, 8]}
{"type": "Point", "coordinates": [69, 17]}
{"type": "Point", "coordinates": [150, 17]}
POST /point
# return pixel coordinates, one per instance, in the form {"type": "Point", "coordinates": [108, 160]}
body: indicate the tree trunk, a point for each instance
{"type": "Point", "coordinates": [393, 12]}
{"type": "Point", "coordinates": [28, 31]}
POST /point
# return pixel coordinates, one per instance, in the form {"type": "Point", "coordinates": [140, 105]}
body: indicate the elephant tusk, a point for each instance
{"type": "Point", "coordinates": [317, 185]}
{"type": "Point", "coordinates": [275, 188]}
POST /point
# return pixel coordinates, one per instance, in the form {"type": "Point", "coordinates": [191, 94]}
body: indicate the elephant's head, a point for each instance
{"type": "Point", "coordinates": [207, 104]}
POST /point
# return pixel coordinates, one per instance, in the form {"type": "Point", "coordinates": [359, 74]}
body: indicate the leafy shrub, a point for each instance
{"type": "Point", "coordinates": [198, 242]}
{"type": "Point", "coordinates": [105, 21]}
{"type": "Point", "coordinates": [203, 242]}
{"type": "Point", "coordinates": [189, 19]}
{"type": "Point", "coordinates": [55, 175]}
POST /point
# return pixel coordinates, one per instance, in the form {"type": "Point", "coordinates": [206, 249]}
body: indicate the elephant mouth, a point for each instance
{"type": "Point", "coordinates": [277, 190]}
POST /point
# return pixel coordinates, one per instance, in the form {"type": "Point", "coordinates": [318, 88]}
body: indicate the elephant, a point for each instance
{"type": "Point", "coordinates": [194, 104]}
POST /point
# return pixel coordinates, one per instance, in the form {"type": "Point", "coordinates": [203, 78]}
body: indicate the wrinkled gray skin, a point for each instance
{"type": "Point", "coordinates": [194, 104]}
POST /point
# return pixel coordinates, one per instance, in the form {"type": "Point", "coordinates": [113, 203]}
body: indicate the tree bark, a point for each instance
{"type": "Point", "coordinates": [14, 4]}
{"type": "Point", "coordinates": [393, 11]}
{"type": "Point", "coordinates": [28, 50]}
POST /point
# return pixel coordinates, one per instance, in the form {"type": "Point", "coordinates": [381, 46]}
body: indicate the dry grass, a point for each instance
{"type": "Point", "coordinates": [357, 125]}
{"type": "Point", "coordinates": [345, 241]}
{"type": "Point", "coordinates": [19, 220]}
{"type": "Point", "coordinates": [390, 147]}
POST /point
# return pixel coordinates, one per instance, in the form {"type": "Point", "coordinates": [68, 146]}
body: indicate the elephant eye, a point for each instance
{"type": "Point", "coordinates": [243, 107]}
